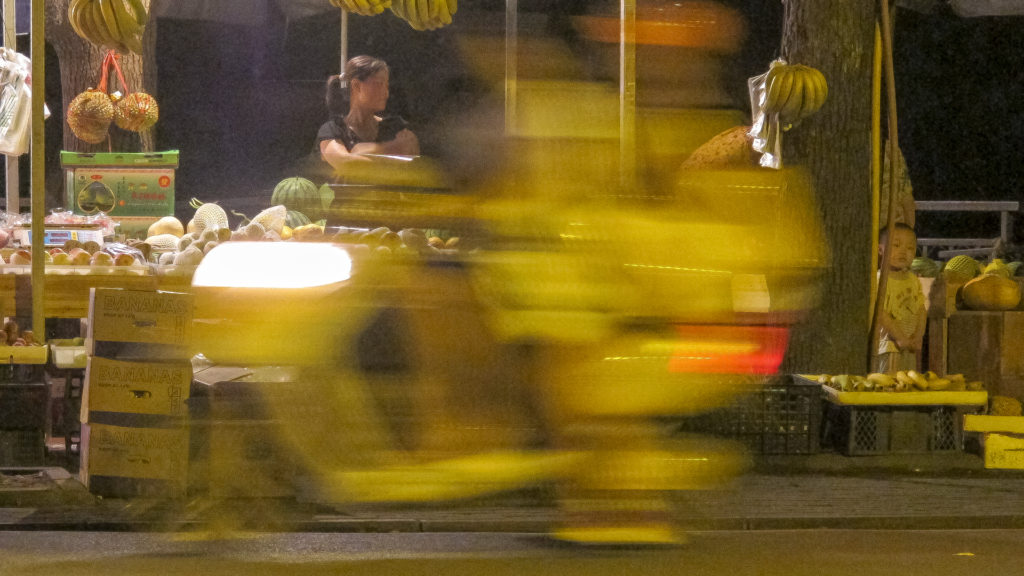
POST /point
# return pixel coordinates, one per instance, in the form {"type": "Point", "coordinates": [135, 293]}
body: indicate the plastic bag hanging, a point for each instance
{"type": "Point", "coordinates": [766, 129]}
{"type": "Point", "coordinates": [16, 102]}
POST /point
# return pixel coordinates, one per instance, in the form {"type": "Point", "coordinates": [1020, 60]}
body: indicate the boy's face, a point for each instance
{"type": "Point", "coordinates": [904, 249]}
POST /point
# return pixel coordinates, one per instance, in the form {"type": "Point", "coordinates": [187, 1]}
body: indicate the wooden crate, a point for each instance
{"type": "Point", "coordinates": [987, 346]}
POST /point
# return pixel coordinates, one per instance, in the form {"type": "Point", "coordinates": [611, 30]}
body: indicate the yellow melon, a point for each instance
{"type": "Point", "coordinates": [991, 292]}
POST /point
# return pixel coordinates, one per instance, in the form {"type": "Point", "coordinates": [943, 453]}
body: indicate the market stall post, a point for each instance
{"type": "Point", "coordinates": [38, 187]}
{"type": "Point", "coordinates": [11, 163]}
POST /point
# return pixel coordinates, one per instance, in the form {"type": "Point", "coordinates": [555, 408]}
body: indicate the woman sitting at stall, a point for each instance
{"type": "Point", "coordinates": [357, 127]}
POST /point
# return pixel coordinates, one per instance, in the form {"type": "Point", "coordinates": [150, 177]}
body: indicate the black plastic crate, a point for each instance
{"type": "Point", "coordinates": [22, 448]}
{"type": "Point", "coordinates": [782, 417]}
{"type": "Point", "coordinates": [21, 373]}
{"type": "Point", "coordinates": [23, 406]}
{"type": "Point", "coordinates": [871, 430]}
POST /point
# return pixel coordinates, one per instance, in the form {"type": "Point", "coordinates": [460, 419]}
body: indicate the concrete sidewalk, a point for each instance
{"type": "Point", "coordinates": [791, 492]}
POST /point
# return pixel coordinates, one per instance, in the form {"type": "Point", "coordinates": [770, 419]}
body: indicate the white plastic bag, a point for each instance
{"type": "Point", "coordinates": [15, 102]}
{"type": "Point", "coordinates": [765, 129]}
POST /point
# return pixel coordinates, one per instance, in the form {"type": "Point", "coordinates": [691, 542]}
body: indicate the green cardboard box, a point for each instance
{"type": "Point", "coordinates": [120, 184]}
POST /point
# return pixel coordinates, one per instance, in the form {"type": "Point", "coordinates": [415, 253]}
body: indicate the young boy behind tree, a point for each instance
{"type": "Point", "coordinates": [903, 318]}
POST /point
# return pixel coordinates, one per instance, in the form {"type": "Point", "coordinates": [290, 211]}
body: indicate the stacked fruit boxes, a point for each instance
{"type": "Point", "coordinates": [238, 448]}
{"type": "Point", "coordinates": [135, 434]}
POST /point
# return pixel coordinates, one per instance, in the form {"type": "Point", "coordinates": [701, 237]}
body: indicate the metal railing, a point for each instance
{"type": "Point", "coordinates": [968, 246]}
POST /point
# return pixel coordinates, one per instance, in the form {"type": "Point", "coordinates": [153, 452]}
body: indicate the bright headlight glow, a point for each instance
{"type": "Point", "coordinates": [273, 265]}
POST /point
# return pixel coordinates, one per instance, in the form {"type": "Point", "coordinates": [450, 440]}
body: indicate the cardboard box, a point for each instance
{"type": "Point", "coordinates": [153, 324]}
{"type": "Point", "coordinates": [157, 388]}
{"type": "Point", "coordinates": [238, 448]}
{"type": "Point", "coordinates": [123, 461]}
{"type": "Point", "coordinates": [1003, 451]}
{"type": "Point", "coordinates": [241, 458]}
{"type": "Point", "coordinates": [987, 346]}
{"type": "Point", "coordinates": [120, 184]}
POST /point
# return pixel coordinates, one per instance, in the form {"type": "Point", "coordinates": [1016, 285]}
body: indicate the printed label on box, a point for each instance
{"type": "Point", "coordinates": [121, 191]}
{"type": "Point", "coordinates": [159, 388]}
{"type": "Point", "coordinates": [139, 453]}
{"type": "Point", "coordinates": [155, 317]}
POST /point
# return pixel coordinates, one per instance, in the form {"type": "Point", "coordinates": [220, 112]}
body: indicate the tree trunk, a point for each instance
{"type": "Point", "coordinates": [835, 145]}
{"type": "Point", "coordinates": [80, 63]}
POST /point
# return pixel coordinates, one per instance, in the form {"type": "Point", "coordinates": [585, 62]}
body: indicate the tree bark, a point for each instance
{"type": "Point", "coordinates": [80, 63]}
{"type": "Point", "coordinates": [835, 145]}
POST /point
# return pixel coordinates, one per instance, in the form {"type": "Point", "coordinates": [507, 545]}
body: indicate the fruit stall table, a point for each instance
{"type": "Point", "coordinates": [67, 287]}
{"type": "Point", "coordinates": [872, 422]}
{"type": "Point", "coordinates": [67, 294]}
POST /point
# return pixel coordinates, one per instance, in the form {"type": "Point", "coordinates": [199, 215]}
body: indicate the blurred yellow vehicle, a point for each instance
{"type": "Point", "coordinates": [582, 311]}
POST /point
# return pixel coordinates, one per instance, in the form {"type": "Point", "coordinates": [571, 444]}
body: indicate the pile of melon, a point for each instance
{"type": "Point", "coordinates": [296, 214]}
{"type": "Point", "coordinates": [988, 286]}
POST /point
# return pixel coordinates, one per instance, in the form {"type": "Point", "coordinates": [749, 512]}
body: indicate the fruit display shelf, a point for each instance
{"type": "Point", "coordinates": [67, 294]}
{"type": "Point", "coordinates": [915, 398]}
{"type": "Point", "coordinates": [873, 423]}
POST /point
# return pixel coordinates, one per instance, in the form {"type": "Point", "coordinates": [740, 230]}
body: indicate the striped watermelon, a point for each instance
{"type": "Point", "coordinates": [294, 219]}
{"type": "Point", "coordinates": [299, 194]}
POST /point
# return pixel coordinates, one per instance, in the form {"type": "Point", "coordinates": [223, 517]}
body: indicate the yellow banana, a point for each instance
{"type": "Point", "coordinates": [903, 378]}
{"type": "Point", "coordinates": [96, 24]}
{"type": "Point", "coordinates": [107, 10]}
{"type": "Point", "coordinates": [939, 384]}
{"type": "Point", "coordinates": [125, 22]}
{"type": "Point", "coordinates": [398, 9]}
{"type": "Point", "coordinates": [445, 11]}
{"type": "Point", "coordinates": [822, 85]}
{"type": "Point", "coordinates": [74, 15]}
{"type": "Point", "coordinates": [412, 15]}
{"type": "Point", "coordinates": [881, 380]}
{"type": "Point", "coordinates": [133, 42]}
{"type": "Point", "coordinates": [920, 382]}
{"type": "Point", "coordinates": [812, 100]}
{"type": "Point", "coordinates": [794, 102]}
{"type": "Point", "coordinates": [83, 13]}
{"type": "Point", "coordinates": [361, 7]}
{"type": "Point", "coordinates": [423, 11]}
{"type": "Point", "coordinates": [138, 10]}
{"type": "Point", "coordinates": [814, 81]}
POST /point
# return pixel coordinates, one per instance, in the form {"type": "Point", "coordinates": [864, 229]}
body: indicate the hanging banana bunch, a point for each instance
{"type": "Point", "coordinates": [116, 24]}
{"type": "Point", "coordinates": [420, 14]}
{"type": "Point", "coordinates": [794, 92]}
{"type": "Point", "coordinates": [425, 14]}
{"type": "Point", "coordinates": [362, 7]}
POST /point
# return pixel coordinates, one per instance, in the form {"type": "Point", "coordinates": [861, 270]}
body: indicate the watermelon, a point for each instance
{"type": "Point", "coordinates": [299, 194]}
{"type": "Point", "coordinates": [294, 219]}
